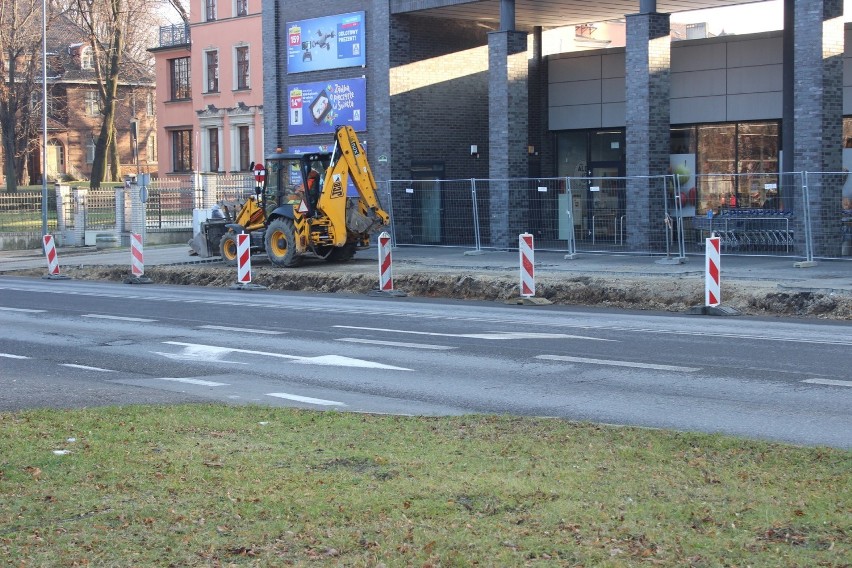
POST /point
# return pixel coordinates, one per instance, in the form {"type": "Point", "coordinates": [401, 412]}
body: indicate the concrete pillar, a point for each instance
{"type": "Point", "coordinates": [818, 122]}
{"type": "Point", "coordinates": [648, 73]}
{"type": "Point", "coordinates": [508, 109]}
{"type": "Point", "coordinates": [507, 15]}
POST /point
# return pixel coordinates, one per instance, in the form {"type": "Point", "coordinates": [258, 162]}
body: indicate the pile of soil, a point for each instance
{"type": "Point", "coordinates": [661, 293]}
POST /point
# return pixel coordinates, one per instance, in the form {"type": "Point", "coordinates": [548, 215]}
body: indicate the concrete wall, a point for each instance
{"type": "Point", "coordinates": [439, 81]}
{"type": "Point", "coordinates": [724, 79]}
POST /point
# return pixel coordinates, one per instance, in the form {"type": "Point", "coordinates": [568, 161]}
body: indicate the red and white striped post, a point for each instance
{"type": "Point", "coordinates": [52, 257]}
{"type": "Point", "coordinates": [137, 256]}
{"type": "Point", "coordinates": [712, 287]}
{"type": "Point", "coordinates": [243, 259]}
{"type": "Point", "coordinates": [527, 261]}
{"type": "Point", "coordinates": [385, 263]}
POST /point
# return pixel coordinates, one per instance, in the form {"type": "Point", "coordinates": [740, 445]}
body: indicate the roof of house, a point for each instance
{"type": "Point", "coordinates": [66, 42]}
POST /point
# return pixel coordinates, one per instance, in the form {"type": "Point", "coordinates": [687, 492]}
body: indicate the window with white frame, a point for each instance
{"type": "Point", "coordinates": [149, 104]}
{"type": "Point", "coordinates": [213, 149]}
{"type": "Point", "coordinates": [244, 147]}
{"type": "Point", "coordinates": [240, 8]}
{"type": "Point", "coordinates": [209, 10]}
{"type": "Point", "coordinates": [181, 87]}
{"type": "Point", "coordinates": [92, 103]}
{"type": "Point", "coordinates": [151, 148]}
{"type": "Point", "coordinates": [241, 67]}
{"type": "Point", "coordinates": [90, 150]}
{"type": "Point", "coordinates": [87, 58]}
{"type": "Point", "coordinates": [211, 71]}
{"type": "Point", "coordinates": [182, 150]}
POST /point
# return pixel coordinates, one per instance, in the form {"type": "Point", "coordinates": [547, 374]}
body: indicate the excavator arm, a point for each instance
{"type": "Point", "coordinates": [341, 219]}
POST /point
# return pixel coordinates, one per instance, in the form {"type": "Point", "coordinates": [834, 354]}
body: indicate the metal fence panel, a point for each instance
{"type": "Point", "coordinates": [432, 212]}
{"type": "Point", "coordinates": [752, 214]}
{"type": "Point", "coordinates": [606, 219]}
{"type": "Point", "coordinates": [827, 205]}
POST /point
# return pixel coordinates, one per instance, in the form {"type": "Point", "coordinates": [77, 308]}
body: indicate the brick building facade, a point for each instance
{"type": "Point", "coordinates": [74, 112]}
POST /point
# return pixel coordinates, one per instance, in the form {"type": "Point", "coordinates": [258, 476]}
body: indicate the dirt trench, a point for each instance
{"type": "Point", "coordinates": [659, 293]}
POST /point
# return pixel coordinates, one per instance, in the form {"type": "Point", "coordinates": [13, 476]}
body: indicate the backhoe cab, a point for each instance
{"type": "Point", "coordinates": [321, 204]}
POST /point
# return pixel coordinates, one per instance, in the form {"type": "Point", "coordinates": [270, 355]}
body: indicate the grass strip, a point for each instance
{"type": "Point", "coordinates": [215, 485]}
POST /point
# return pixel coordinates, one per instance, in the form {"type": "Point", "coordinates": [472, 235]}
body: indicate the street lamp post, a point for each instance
{"type": "Point", "coordinates": [44, 117]}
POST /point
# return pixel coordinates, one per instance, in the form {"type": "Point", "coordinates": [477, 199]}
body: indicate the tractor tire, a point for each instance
{"type": "Point", "coordinates": [228, 248]}
{"type": "Point", "coordinates": [281, 243]}
{"type": "Point", "coordinates": [341, 254]}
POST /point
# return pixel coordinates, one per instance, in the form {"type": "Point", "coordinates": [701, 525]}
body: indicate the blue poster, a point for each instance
{"type": "Point", "coordinates": [317, 108]}
{"type": "Point", "coordinates": [330, 42]}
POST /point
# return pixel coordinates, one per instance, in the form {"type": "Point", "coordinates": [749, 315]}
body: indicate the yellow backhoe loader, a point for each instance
{"type": "Point", "coordinates": [316, 204]}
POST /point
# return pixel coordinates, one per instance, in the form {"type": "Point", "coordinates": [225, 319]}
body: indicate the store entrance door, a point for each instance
{"type": "Point", "coordinates": [427, 189]}
{"type": "Point", "coordinates": [605, 201]}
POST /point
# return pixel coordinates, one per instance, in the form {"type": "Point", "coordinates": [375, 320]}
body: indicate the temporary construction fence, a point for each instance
{"type": "Point", "coordinates": [564, 214]}
{"type": "Point", "coordinates": [800, 215]}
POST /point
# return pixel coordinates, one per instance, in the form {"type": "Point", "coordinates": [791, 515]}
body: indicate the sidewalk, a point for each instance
{"type": "Point", "coordinates": [827, 276]}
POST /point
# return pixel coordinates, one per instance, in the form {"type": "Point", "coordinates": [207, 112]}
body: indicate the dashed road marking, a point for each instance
{"type": "Point", "coordinates": [497, 335]}
{"type": "Point", "coordinates": [24, 310]}
{"type": "Point", "coordinates": [395, 343]}
{"type": "Point", "coordinates": [87, 368]}
{"type": "Point", "coordinates": [199, 382]}
{"type": "Point", "coordinates": [10, 356]}
{"type": "Point", "coordinates": [306, 399]}
{"type": "Point", "coordinates": [118, 318]}
{"type": "Point", "coordinates": [613, 363]}
{"type": "Point", "coordinates": [829, 382]}
{"type": "Point", "coordinates": [242, 329]}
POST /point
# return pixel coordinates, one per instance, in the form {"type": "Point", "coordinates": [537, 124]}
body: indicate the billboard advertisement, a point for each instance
{"type": "Point", "coordinates": [317, 108]}
{"type": "Point", "coordinates": [329, 42]}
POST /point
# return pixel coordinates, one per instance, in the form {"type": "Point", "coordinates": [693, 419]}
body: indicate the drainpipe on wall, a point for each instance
{"type": "Point", "coordinates": [507, 15]}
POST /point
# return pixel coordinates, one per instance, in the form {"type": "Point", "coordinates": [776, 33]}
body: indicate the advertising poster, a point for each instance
{"type": "Point", "coordinates": [683, 166]}
{"type": "Point", "coordinates": [317, 108]}
{"type": "Point", "coordinates": [330, 42]}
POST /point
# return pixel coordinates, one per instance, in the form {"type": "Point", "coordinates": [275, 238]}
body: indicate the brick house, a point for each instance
{"type": "Point", "coordinates": [74, 118]}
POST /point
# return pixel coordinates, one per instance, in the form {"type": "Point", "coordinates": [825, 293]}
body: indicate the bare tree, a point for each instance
{"type": "Point", "coordinates": [20, 62]}
{"type": "Point", "coordinates": [119, 33]}
{"type": "Point", "coordinates": [180, 8]}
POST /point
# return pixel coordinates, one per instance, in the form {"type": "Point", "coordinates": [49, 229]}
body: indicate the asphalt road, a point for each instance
{"type": "Point", "coordinates": [76, 343]}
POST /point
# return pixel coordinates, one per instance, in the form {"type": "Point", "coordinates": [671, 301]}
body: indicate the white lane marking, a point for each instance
{"type": "Point", "coordinates": [86, 368]}
{"type": "Point", "coordinates": [117, 318]}
{"type": "Point", "coordinates": [490, 335]}
{"type": "Point", "coordinates": [306, 399]}
{"type": "Point", "coordinates": [24, 310]}
{"type": "Point", "coordinates": [203, 353]}
{"type": "Point", "coordinates": [830, 382]}
{"type": "Point", "coordinates": [193, 381]}
{"type": "Point", "coordinates": [617, 363]}
{"type": "Point", "coordinates": [10, 356]}
{"type": "Point", "coordinates": [481, 319]}
{"type": "Point", "coordinates": [395, 343]}
{"type": "Point", "coordinates": [194, 351]}
{"type": "Point", "coordinates": [242, 329]}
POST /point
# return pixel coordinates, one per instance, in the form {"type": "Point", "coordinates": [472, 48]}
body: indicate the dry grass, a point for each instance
{"type": "Point", "coordinates": [212, 485]}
